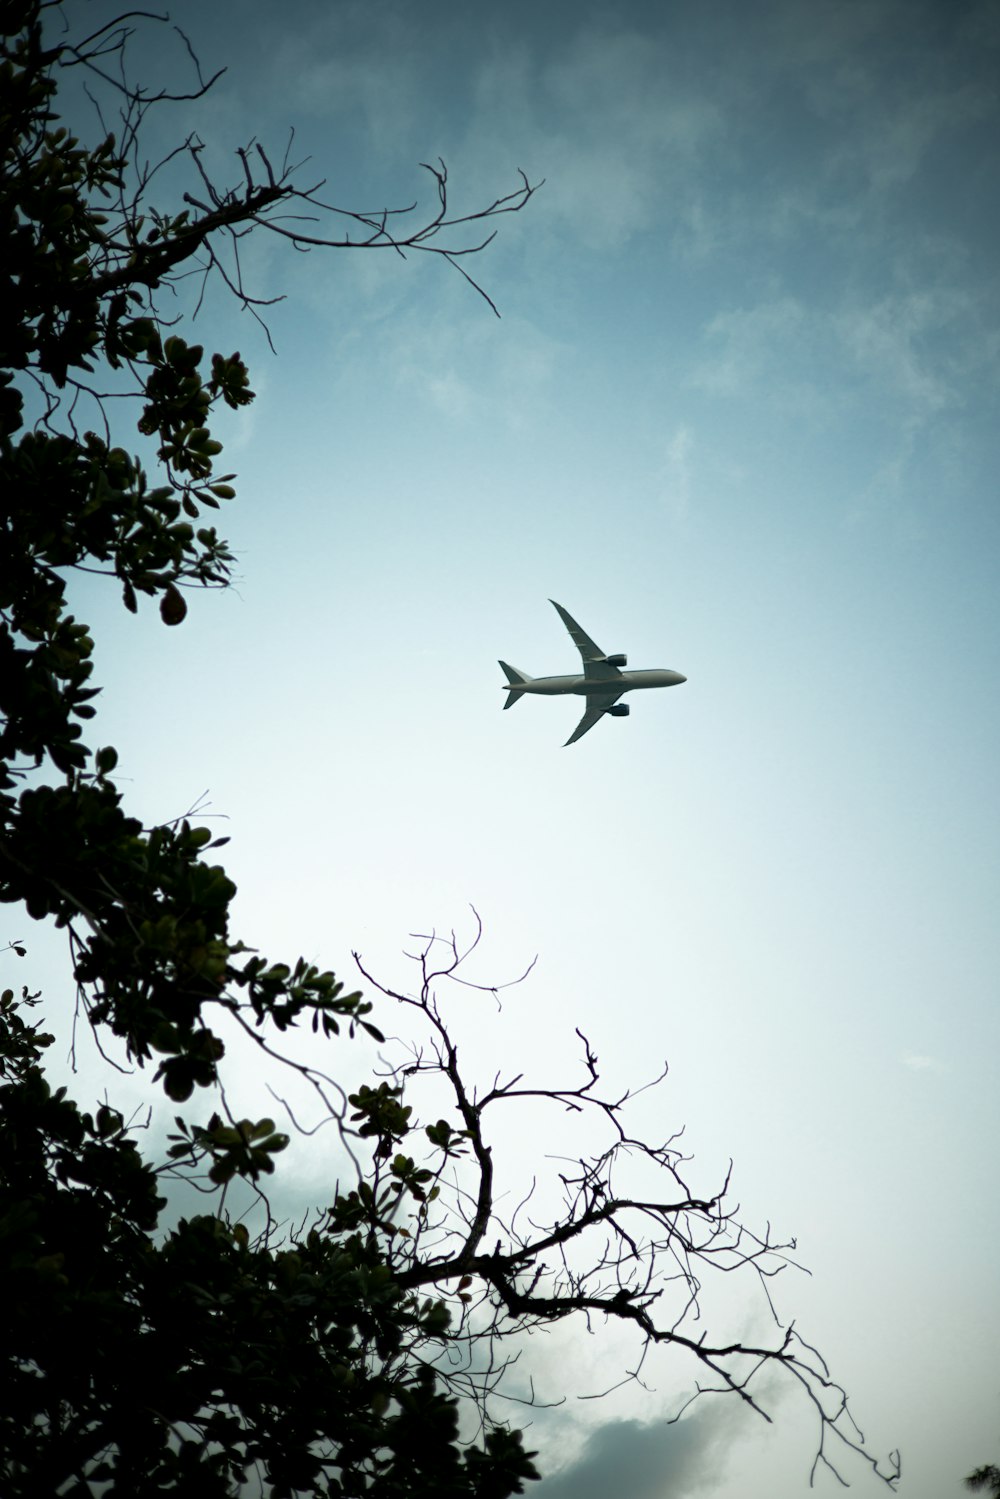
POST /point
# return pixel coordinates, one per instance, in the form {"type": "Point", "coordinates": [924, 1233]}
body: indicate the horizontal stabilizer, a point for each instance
{"type": "Point", "coordinates": [516, 679]}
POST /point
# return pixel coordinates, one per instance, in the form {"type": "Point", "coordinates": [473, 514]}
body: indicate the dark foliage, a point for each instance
{"type": "Point", "coordinates": [987, 1477]}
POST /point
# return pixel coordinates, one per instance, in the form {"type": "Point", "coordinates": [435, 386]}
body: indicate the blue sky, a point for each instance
{"type": "Point", "coordinates": [739, 416]}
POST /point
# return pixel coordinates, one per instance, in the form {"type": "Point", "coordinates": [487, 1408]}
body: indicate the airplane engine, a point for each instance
{"type": "Point", "coordinates": [620, 660]}
{"type": "Point", "coordinates": [620, 710]}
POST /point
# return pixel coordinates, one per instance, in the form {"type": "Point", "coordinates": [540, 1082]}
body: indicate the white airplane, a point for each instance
{"type": "Point", "coordinates": [602, 684]}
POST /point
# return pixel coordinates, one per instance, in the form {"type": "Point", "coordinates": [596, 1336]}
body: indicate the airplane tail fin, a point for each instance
{"type": "Point", "coordinates": [516, 680]}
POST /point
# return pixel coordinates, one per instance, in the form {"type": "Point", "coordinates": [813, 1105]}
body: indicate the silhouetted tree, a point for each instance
{"type": "Point", "coordinates": [360, 1353]}
{"type": "Point", "coordinates": [985, 1478]}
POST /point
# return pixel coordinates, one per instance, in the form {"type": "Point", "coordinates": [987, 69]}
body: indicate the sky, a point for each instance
{"type": "Point", "coordinates": [739, 416]}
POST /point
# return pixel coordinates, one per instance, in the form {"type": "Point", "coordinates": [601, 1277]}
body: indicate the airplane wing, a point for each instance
{"type": "Point", "coordinates": [596, 708]}
{"type": "Point", "coordinates": [595, 667]}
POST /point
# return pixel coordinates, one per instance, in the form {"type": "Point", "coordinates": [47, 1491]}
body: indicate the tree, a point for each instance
{"type": "Point", "coordinates": [361, 1352]}
{"type": "Point", "coordinates": [987, 1477]}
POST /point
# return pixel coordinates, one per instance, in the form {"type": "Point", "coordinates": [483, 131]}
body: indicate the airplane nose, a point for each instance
{"type": "Point", "coordinates": [679, 678]}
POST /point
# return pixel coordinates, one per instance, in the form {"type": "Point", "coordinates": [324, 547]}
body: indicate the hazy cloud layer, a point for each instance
{"type": "Point", "coordinates": [659, 1460]}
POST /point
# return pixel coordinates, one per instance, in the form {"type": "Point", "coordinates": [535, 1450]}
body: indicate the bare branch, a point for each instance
{"type": "Point", "coordinates": [639, 1259]}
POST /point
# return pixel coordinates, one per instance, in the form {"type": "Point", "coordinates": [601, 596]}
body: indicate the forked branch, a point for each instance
{"type": "Point", "coordinates": [643, 1259]}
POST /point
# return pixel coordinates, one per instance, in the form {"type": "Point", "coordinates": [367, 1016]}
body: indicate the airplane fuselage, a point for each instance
{"type": "Point", "coordinates": [628, 681]}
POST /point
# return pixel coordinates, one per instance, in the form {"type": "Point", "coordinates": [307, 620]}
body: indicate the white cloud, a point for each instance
{"type": "Point", "coordinates": [897, 341]}
{"type": "Point", "coordinates": [469, 368]}
{"type": "Point", "coordinates": [917, 1063]}
{"type": "Point", "coordinates": [769, 350]}
{"type": "Point", "coordinates": [604, 121]}
{"type": "Point", "coordinates": [676, 472]}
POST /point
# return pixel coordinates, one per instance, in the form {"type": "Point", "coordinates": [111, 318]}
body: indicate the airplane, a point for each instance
{"type": "Point", "coordinates": [602, 684]}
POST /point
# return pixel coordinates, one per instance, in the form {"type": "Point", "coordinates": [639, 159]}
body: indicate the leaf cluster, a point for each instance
{"type": "Point", "coordinates": [155, 1363]}
{"type": "Point", "coordinates": [139, 1358]}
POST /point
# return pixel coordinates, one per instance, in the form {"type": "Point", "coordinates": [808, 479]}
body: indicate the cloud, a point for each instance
{"type": "Point", "coordinates": [360, 63]}
{"type": "Point", "coordinates": [469, 369]}
{"type": "Point", "coordinates": [887, 118]}
{"type": "Point", "coordinates": [749, 342]}
{"type": "Point", "coordinates": [918, 1063]}
{"type": "Point", "coordinates": [676, 472]}
{"type": "Point", "coordinates": [914, 353]}
{"type": "Point", "coordinates": [775, 351]}
{"type": "Point", "coordinates": [659, 1460]}
{"type": "Point", "coordinates": [606, 118]}
{"type": "Point", "coordinates": [899, 342]}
